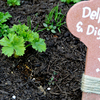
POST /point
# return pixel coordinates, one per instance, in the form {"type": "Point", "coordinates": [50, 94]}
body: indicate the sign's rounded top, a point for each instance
{"type": "Point", "coordinates": [83, 21]}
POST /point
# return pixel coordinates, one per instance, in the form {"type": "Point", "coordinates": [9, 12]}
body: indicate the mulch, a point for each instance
{"type": "Point", "coordinates": [29, 77]}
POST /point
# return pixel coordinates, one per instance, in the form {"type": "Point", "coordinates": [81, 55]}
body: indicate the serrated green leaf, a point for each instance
{"type": "Point", "coordinates": [12, 44]}
{"type": "Point", "coordinates": [19, 28]}
{"type": "Point", "coordinates": [13, 2]}
{"type": "Point", "coordinates": [22, 31]}
{"type": "Point", "coordinates": [4, 29]}
{"type": "Point", "coordinates": [29, 36]}
{"type": "Point", "coordinates": [18, 35]}
{"type": "Point", "coordinates": [7, 51]}
{"type": "Point", "coordinates": [36, 36]}
{"type": "Point", "coordinates": [19, 50]}
{"type": "Point", "coordinates": [39, 45]}
{"type": "Point", "coordinates": [4, 17]}
{"type": "Point", "coordinates": [4, 26]}
{"type": "Point", "coordinates": [5, 41]}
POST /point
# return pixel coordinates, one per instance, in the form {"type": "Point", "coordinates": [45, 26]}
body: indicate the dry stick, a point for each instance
{"type": "Point", "coordinates": [4, 92]}
{"type": "Point", "coordinates": [59, 88]}
{"type": "Point", "coordinates": [54, 93]}
{"type": "Point", "coordinates": [64, 78]}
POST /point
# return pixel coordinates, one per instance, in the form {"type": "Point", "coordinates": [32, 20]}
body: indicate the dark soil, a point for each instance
{"type": "Point", "coordinates": [28, 77]}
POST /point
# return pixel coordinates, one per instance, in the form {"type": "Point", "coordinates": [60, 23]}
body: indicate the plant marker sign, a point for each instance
{"type": "Point", "coordinates": [83, 21]}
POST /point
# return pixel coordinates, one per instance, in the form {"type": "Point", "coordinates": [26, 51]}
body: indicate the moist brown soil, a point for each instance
{"type": "Point", "coordinates": [28, 77]}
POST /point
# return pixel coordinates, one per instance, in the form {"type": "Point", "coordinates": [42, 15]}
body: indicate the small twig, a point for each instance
{"type": "Point", "coordinates": [4, 92]}
{"type": "Point", "coordinates": [64, 78]}
{"type": "Point", "coordinates": [54, 93]}
{"type": "Point", "coordinates": [59, 88]}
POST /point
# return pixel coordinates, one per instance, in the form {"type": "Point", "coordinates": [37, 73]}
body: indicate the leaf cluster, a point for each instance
{"type": "Point", "coordinates": [70, 1]}
{"type": "Point", "coordinates": [53, 20]}
{"type": "Point", "coordinates": [14, 42]}
{"type": "Point", "coordinates": [13, 2]}
{"type": "Point", "coordinates": [3, 27]}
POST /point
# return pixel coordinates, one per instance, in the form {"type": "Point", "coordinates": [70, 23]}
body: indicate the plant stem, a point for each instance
{"type": "Point", "coordinates": [27, 45]}
{"type": "Point", "coordinates": [34, 30]}
{"type": "Point", "coordinates": [42, 30]}
{"type": "Point", "coordinates": [61, 24]}
{"type": "Point", "coordinates": [16, 56]}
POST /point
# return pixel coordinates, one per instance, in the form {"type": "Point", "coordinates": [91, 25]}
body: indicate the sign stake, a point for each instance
{"type": "Point", "coordinates": [83, 21]}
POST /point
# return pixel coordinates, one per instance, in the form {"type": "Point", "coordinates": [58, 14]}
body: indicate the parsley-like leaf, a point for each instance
{"type": "Point", "coordinates": [4, 17]}
{"type": "Point", "coordinates": [3, 27]}
{"type": "Point", "coordinates": [18, 35]}
{"type": "Point", "coordinates": [13, 2]}
{"type": "Point", "coordinates": [12, 44]}
{"type": "Point", "coordinates": [38, 43]}
{"type": "Point", "coordinates": [22, 31]}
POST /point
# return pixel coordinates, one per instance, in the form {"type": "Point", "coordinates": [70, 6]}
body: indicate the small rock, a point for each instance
{"type": "Point", "coordinates": [33, 79]}
{"type": "Point", "coordinates": [66, 34]}
{"type": "Point", "coordinates": [48, 88]}
{"type": "Point", "coordinates": [9, 83]}
{"type": "Point", "coordinates": [13, 97]}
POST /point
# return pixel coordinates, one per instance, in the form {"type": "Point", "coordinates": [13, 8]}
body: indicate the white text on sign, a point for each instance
{"type": "Point", "coordinates": [94, 15]}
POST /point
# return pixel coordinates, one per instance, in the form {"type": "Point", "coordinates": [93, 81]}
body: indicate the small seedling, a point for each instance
{"type": "Point", "coordinates": [53, 20]}
{"type": "Point", "coordinates": [3, 27]}
{"type": "Point", "coordinates": [71, 1]}
{"type": "Point", "coordinates": [54, 78]}
{"type": "Point", "coordinates": [51, 27]}
{"type": "Point", "coordinates": [14, 42]}
{"type": "Point", "coordinates": [13, 2]}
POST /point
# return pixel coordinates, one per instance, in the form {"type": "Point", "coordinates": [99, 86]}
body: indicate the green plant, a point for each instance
{"type": "Point", "coordinates": [3, 27]}
{"type": "Point", "coordinates": [54, 78]}
{"type": "Point", "coordinates": [13, 2]}
{"type": "Point", "coordinates": [51, 27]}
{"type": "Point", "coordinates": [53, 20]}
{"type": "Point", "coordinates": [15, 41]}
{"type": "Point", "coordinates": [69, 1]}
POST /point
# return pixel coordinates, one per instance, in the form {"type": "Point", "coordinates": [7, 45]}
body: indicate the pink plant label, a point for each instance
{"type": "Point", "coordinates": [83, 21]}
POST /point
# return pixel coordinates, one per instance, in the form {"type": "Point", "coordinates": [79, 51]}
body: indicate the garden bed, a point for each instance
{"type": "Point", "coordinates": [29, 77]}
